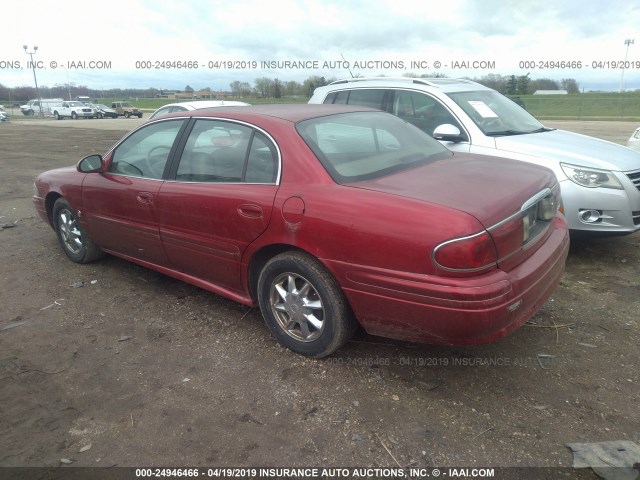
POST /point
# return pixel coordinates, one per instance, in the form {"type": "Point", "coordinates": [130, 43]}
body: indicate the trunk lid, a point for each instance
{"type": "Point", "coordinates": [489, 188]}
{"type": "Point", "coordinates": [493, 190]}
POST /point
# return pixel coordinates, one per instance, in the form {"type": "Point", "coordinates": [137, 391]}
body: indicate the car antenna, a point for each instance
{"type": "Point", "coordinates": [350, 73]}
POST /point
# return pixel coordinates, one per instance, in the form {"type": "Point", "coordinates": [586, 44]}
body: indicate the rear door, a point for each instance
{"type": "Point", "coordinates": [218, 200]}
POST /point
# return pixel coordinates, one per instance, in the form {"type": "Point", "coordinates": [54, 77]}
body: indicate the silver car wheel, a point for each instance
{"type": "Point", "coordinates": [71, 234]}
{"type": "Point", "coordinates": [297, 307]}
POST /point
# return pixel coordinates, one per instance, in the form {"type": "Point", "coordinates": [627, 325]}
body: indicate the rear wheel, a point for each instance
{"type": "Point", "coordinates": [303, 305]}
{"type": "Point", "coordinates": [74, 241]}
{"type": "Point", "coordinates": [57, 115]}
{"type": "Point", "coordinates": [127, 114]}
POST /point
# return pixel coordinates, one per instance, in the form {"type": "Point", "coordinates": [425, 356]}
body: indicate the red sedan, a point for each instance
{"type": "Point", "coordinates": [326, 217]}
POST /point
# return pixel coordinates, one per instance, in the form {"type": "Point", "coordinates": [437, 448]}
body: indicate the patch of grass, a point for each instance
{"type": "Point", "coordinates": [585, 106]}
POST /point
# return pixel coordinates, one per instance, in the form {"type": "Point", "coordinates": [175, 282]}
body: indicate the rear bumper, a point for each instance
{"type": "Point", "coordinates": [456, 311]}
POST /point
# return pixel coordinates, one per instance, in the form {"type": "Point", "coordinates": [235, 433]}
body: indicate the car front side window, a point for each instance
{"type": "Point", "coordinates": [145, 152]}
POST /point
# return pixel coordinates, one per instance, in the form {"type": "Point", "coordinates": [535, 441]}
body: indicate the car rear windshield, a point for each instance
{"type": "Point", "coordinates": [365, 145]}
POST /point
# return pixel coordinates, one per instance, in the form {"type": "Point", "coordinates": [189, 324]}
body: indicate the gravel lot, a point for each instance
{"type": "Point", "coordinates": [148, 371]}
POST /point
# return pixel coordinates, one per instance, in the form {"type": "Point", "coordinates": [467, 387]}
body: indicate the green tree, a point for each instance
{"type": "Point", "coordinates": [277, 88]}
{"type": "Point", "coordinates": [512, 85]}
{"type": "Point", "coordinates": [522, 85]}
{"type": "Point", "coordinates": [263, 86]}
{"type": "Point", "coordinates": [494, 81]}
{"type": "Point", "coordinates": [570, 85]}
{"type": "Point", "coordinates": [236, 88]}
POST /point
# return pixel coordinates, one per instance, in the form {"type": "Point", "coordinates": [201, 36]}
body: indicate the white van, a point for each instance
{"type": "Point", "coordinates": [33, 106]}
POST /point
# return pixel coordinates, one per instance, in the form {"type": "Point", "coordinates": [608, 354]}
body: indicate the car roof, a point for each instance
{"type": "Point", "coordinates": [443, 84]}
{"type": "Point", "coordinates": [290, 112]}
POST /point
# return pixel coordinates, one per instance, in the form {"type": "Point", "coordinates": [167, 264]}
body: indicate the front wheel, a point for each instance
{"type": "Point", "coordinates": [127, 114]}
{"type": "Point", "coordinates": [75, 243]}
{"type": "Point", "coordinates": [304, 306]}
{"type": "Point", "coordinates": [74, 115]}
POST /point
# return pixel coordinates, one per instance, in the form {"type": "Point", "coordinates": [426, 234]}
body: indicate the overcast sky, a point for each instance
{"type": "Point", "coordinates": [501, 33]}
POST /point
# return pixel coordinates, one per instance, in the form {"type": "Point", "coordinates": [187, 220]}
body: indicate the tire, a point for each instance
{"type": "Point", "coordinates": [74, 115]}
{"type": "Point", "coordinates": [74, 241]}
{"type": "Point", "coordinates": [30, 112]}
{"type": "Point", "coordinates": [99, 115]}
{"type": "Point", "coordinates": [139, 115]}
{"type": "Point", "coordinates": [127, 114]}
{"type": "Point", "coordinates": [304, 306]}
{"type": "Point", "coordinates": [56, 115]}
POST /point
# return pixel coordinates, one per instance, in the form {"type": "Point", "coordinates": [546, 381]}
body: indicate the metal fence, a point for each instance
{"type": "Point", "coordinates": [579, 107]}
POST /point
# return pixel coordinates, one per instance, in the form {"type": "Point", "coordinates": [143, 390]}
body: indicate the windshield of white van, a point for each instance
{"type": "Point", "coordinates": [495, 114]}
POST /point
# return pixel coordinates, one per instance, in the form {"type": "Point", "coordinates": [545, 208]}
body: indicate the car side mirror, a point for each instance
{"type": "Point", "coordinates": [90, 164]}
{"type": "Point", "coordinates": [448, 133]}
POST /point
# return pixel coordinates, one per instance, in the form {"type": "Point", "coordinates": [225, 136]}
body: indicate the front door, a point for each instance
{"type": "Point", "coordinates": [121, 203]}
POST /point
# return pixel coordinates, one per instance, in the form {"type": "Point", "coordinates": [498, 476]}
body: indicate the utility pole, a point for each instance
{"type": "Point", "coordinates": [33, 66]}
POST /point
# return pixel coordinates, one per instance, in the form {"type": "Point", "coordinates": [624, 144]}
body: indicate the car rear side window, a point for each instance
{"type": "Point", "coordinates": [227, 152]}
{"type": "Point", "coordinates": [337, 98]}
{"type": "Point", "coordinates": [162, 111]}
{"type": "Point", "coordinates": [369, 97]}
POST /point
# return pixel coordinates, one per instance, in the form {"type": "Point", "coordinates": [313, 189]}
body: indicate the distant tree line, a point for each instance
{"type": "Point", "coordinates": [275, 88]}
{"type": "Point", "coordinates": [265, 87]}
{"type": "Point", "coordinates": [523, 85]}
{"type": "Point", "coordinates": [262, 87]}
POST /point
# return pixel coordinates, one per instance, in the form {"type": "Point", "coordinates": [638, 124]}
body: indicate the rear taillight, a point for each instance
{"type": "Point", "coordinates": [467, 254]}
{"type": "Point", "coordinates": [538, 212]}
{"type": "Point", "coordinates": [516, 237]}
{"type": "Point", "coordinates": [502, 241]}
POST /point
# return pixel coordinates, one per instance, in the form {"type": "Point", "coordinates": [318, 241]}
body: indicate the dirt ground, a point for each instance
{"type": "Point", "coordinates": [148, 371]}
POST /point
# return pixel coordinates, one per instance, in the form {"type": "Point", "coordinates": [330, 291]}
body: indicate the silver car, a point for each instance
{"type": "Point", "coordinates": [600, 180]}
